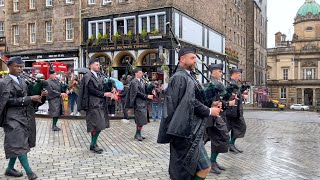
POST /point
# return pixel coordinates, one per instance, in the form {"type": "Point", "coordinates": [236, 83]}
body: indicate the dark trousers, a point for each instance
{"type": "Point", "coordinates": [112, 108]}
{"type": "Point", "coordinates": [73, 97]}
{"type": "Point", "coordinates": [124, 110]}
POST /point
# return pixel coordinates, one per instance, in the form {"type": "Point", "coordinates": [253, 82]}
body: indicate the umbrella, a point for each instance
{"type": "Point", "coordinates": [82, 70]}
{"type": "Point", "coordinates": [119, 84]}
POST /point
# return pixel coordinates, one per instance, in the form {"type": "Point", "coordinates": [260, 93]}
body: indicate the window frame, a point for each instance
{"type": "Point", "coordinates": [15, 5]}
{"type": "Point", "coordinates": [49, 3]}
{"type": "Point", "coordinates": [34, 4]}
{"type": "Point", "coordinates": [15, 31]}
{"type": "Point", "coordinates": [283, 93]}
{"type": "Point", "coordinates": [1, 4]}
{"type": "Point", "coordinates": [69, 29]}
{"type": "Point", "coordinates": [2, 29]}
{"type": "Point", "coordinates": [47, 32]}
{"type": "Point", "coordinates": [92, 2]}
{"type": "Point", "coordinates": [32, 33]}
{"type": "Point", "coordinates": [285, 73]}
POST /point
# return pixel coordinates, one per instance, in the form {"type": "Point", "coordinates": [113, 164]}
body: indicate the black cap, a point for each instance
{"type": "Point", "coordinates": [93, 60]}
{"type": "Point", "coordinates": [215, 66]}
{"type": "Point", "coordinates": [137, 69]}
{"type": "Point", "coordinates": [17, 60]}
{"type": "Point", "coordinates": [235, 70]}
{"type": "Point", "coordinates": [186, 50]}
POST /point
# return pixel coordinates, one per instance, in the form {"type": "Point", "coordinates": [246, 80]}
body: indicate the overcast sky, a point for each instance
{"type": "Point", "coordinates": [281, 14]}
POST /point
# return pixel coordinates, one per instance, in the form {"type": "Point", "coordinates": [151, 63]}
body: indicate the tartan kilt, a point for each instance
{"type": "Point", "coordinates": [204, 160]}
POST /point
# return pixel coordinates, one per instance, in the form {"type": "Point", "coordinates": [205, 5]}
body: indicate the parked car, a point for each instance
{"type": "Point", "coordinates": [299, 107]}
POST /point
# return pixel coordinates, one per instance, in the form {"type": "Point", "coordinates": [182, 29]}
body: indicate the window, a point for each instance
{"type": "Point", "coordinates": [120, 26]}
{"type": "Point", "coordinates": [93, 29]}
{"type": "Point", "coordinates": [92, 1]}
{"type": "Point", "coordinates": [283, 93]}
{"type": "Point", "coordinates": [268, 75]}
{"type": "Point", "coordinates": [15, 5]}
{"type": "Point", "coordinates": [123, 1]}
{"type": "Point", "coordinates": [285, 73]}
{"type": "Point", "coordinates": [309, 73]}
{"type": "Point", "coordinates": [69, 1]}
{"type": "Point", "coordinates": [161, 23]}
{"type": "Point", "coordinates": [144, 23]}
{"type": "Point", "coordinates": [100, 26]}
{"type": "Point", "coordinates": [48, 31]}
{"type": "Point", "coordinates": [131, 26]}
{"type": "Point", "coordinates": [32, 4]}
{"type": "Point", "coordinates": [1, 29]}
{"type": "Point", "coordinates": [152, 23]}
{"type": "Point", "coordinates": [106, 2]}
{"type": "Point", "coordinates": [69, 29]}
{"type": "Point", "coordinates": [32, 33]}
{"type": "Point", "coordinates": [15, 34]}
{"type": "Point", "coordinates": [48, 3]}
{"type": "Point", "coordinates": [309, 29]}
{"type": "Point", "coordinates": [1, 2]}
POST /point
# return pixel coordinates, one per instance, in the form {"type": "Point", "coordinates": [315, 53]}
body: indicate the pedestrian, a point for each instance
{"type": "Point", "coordinates": [234, 114]}
{"type": "Point", "coordinates": [56, 93]}
{"type": "Point", "coordinates": [17, 118]}
{"type": "Point", "coordinates": [93, 100]}
{"type": "Point", "coordinates": [73, 95]}
{"type": "Point", "coordinates": [184, 121]}
{"type": "Point", "coordinates": [217, 129]}
{"type": "Point", "coordinates": [123, 96]}
{"type": "Point", "coordinates": [156, 102]}
{"type": "Point", "coordinates": [137, 99]}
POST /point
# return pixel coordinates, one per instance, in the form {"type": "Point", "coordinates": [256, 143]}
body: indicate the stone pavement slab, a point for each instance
{"type": "Point", "coordinates": [274, 149]}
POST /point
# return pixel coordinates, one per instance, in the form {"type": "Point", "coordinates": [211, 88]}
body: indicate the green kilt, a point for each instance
{"type": "Point", "coordinates": [204, 160]}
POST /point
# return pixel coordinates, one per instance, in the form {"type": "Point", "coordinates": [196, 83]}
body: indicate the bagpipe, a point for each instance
{"type": "Point", "coordinates": [244, 86]}
{"type": "Point", "coordinates": [107, 83]}
{"type": "Point", "coordinates": [149, 87]}
{"type": "Point", "coordinates": [64, 86]}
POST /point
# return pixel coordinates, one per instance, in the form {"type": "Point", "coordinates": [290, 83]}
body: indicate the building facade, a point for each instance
{"type": "Point", "coordinates": [293, 66]}
{"type": "Point", "coordinates": [45, 30]}
{"type": "Point", "coordinates": [2, 35]}
{"type": "Point", "coordinates": [124, 31]}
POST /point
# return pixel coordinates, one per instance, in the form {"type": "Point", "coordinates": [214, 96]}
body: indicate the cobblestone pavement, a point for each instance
{"type": "Point", "coordinates": [274, 149]}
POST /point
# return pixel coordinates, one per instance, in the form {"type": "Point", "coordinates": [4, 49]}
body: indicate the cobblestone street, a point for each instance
{"type": "Point", "coordinates": [273, 149]}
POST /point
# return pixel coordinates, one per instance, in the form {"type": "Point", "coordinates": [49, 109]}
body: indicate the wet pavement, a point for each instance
{"type": "Point", "coordinates": [278, 145]}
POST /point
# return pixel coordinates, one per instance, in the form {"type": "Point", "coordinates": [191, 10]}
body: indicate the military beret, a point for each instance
{"type": "Point", "coordinates": [186, 50]}
{"type": "Point", "coordinates": [215, 66]}
{"type": "Point", "coordinates": [137, 69]}
{"type": "Point", "coordinates": [235, 70]}
{"type": "Point", "coordinates": [93, 60]}
{"type": "Point", "coordinates": [16, 59]}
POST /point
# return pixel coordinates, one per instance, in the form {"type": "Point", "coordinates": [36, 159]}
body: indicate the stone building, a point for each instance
{"type": "Point", "coordinates": [45, 30]}
{"type": "Point", "coordinates": [120, 31]}
{"type": "Point", "coordinates": [293, 66]}
{"type": "Point", "coordinates": [2, 35]}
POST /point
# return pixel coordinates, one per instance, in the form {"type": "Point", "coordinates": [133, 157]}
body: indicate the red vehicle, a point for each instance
{"type": "Point", "coordinates": [43, 68]}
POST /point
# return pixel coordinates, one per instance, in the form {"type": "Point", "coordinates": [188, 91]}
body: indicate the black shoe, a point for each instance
{"type": "Point", "coordinates": [221, 167]}
{"type": "Point", "coordinates": [96, 149]}
{"type": "Point", "coordinates": [13, 173]}
{"type": "Point", "coordinates": [32, 176]}
{"type": "Point", "coordinates": [214, 168]}
{"type": "Point", "coordinates": [233, 149]}
{"type": "Point", "coordinates": [55, 128]}
{"type": "Point", "coordinates": [240, 151]}
{"type": "Point", "coordinates": [138, 137]}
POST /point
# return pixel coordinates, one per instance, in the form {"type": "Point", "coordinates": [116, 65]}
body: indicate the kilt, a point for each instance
{"type": "Point", "coordinates": [204, 160]}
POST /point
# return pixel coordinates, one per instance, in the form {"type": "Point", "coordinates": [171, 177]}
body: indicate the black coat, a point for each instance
{"type": "Point", "coordinates": [137, 99]}
{"type": "Point", "coordinates": [17, 117]}
{"type": "Point", "coordinates": [54, 98]}
{"type": "Point", "coordinates": [184, 117]}
{"type": "Point", "coordinates": [92, 100]}
{"type": "Point", "coordinates": [235, 119]}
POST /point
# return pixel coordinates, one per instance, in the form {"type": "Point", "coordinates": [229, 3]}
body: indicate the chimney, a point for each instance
{"type": "Point", "coordinates": [278, 39]}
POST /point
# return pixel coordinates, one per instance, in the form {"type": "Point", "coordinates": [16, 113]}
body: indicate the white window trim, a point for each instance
{"type": "Point", "coordinates": [2, 30]}
{"type": "Point", "coordinates": [89, 2]}
{"type": "Point", "coordinates": [15, 7]}
{"type": "Point", "coordinates": [67, 30]}
{"type": "Point", "coordinates": [283, 77]}
{"type": "Point", "coordinates": [69, 1]}
{"type": "Point", "coordinates": [15, 40]}
{"type": "Point", "coordinates": [106, 2]}
{"type": "Point", "coordinates": [104, 21]}
{"type": "Point", "coordinates": [34, 4]}
{"type": "Point", "coordinates": [2, 3]}
{"type": "Point", "coordinates": [30, 33]}
{"type": "Point", "coordinates": [47, 3]}
{"type": "Point", "coordinates": [46, 26]}
{"type": "Point", "coordinates": [148, 21]}
{"type": "Point", "coordinates": [125, 23]}
{"type": "Point", "coordinates": [285, 93]}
